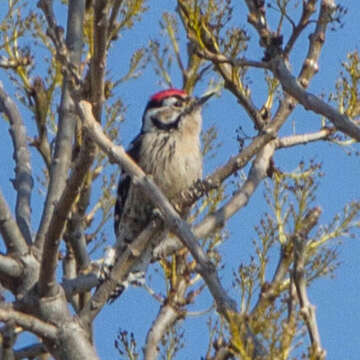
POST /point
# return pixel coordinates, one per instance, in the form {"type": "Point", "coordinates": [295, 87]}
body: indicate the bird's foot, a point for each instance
{"type": "Point", "coordinates": [106, 264]}
{"type": "Point", "coordinates": [156, 214]}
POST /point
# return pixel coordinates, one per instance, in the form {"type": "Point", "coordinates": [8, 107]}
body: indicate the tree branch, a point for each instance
{"type": "Point", "coordinates": [67, 118]}
{"type": "Point", "coordinates": [312, 102]}
{"type": "Point", "coordinates": [82, 283]}
{"type": "Point", "coordinates": [28, 322]}
{"type": "Point", "coordinates": [317, 39]}
{"type": "Point", "coordinates": [302, 139]}
{"type": "Point", "coordinates": [23, 182]}
{"type": "Point", "coordinates": [296, 87]}
{"type": "Point", "coordinates": [98, 61]}
{"type": "Point", "coordinates": [9, 229]}
{"type": "Point", "coordinates": [257, 173]}
{"type": "Point", "coordinates": [170, 312]}
{"type": "Point", "coordinates": [166, 318]}
{"type": "Point", "coordinates": [119, 272]}
{"type": "Point", "coordinates": [308, 10]}
{"type": "Point", "coordinates": [9, 267]}
{"type": "Point", "coordinates": [63, 207]}
{"type": "Point", "coordinates": [307, 309]}
{"type": "Point", "coordinates": [30, 352]}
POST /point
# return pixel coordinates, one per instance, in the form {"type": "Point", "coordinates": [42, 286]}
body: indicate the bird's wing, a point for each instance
{"type": "Point", "coordinates": [124, 183]}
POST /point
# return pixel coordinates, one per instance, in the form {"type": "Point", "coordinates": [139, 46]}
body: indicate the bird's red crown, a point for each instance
{"type": "Point", "coordinates": [167, 93]}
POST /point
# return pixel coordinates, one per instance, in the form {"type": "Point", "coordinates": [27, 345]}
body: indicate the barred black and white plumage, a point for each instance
{"type": "Point", "coordinates": [168, 148]}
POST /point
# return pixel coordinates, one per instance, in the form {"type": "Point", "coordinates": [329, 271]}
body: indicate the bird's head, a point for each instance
{"type": "Point", "coordinates": [168, 110]}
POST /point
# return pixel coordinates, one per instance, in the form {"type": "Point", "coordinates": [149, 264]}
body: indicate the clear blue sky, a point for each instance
{"type": "Point", "coordinates": [337, 300]}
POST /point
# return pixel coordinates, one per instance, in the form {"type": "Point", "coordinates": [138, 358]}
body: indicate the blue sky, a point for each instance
{"type": "Point", "coordinates": [336, 300]}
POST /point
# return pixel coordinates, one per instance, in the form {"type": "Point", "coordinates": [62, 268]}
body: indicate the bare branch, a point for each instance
{"type": "Point", "coordinates": [80, 284]}
{"type": "Point", "coordinates": [170, 312]}
{"type": "Point", "coordinates": [9, 229]}
{"type": "Point", "coordinates": [308, 10]}
{"type": "Point", "coordinates": [310, 67]}
{"type": "Point", "coordinates": [218, 58]}
{"type": "Point", "coordinates": [303, 139]}
{"type": "Point", "coordinates": [317, 39]}
{"type": "Point", "coordinates": [257, 173]}
{"type": "Point", "coordinates": [112, 20]}
{"type": "Point", "coordinates": [67, 52]}
{"type": "Point", "coordinates": [23, 178]}
{"type": "Point", "coordinates": [9, 267]}
{"type": "Point", "coordinates": [119, 272]}
{"type": "Point", "coordinates": [165, 319]}
{"type": "Point", "coordinates": [76, 238]}
{"type": "Point", "coordinates": [312, 102]}
{"type": "Point", "coordinates": [67, 118]}
{"type": "Point", "coordinates": [63, 206]}
{"type": "Point", "coordinates": [29, 323]}
{"type": "Point", "coordinates": [307, 309]}
{"type": "Point", "coordinates": [30, 352]}
{"type": "Point", "coordinates": [98, 61]}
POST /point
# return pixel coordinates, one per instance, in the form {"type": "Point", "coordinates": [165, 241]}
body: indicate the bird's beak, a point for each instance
{"type": "Point", "coordinates": [197, 103]}
{"type": "Point", "coordinates": [201, 101]}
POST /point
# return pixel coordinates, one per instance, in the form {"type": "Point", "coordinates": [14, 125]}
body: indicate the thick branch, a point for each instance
{"type": "Point", "coordinates": [82, 283]}
{"type": "Point", "coordinates": [9, 229]}
{"type": "Point", "coordinates": [28, 322]}
{"type": "Point", "coordinates": [98, 61]}
{"type": "Point", "coordinates": [23, 182]}
{"type": "Point", "coordinates": [166, 317]}
{"type": "Point", "coordinates": [9, 267]}
{"type": "Point", "coordinates": [317, 39]}
{"type": "Point", "coordinates": [302, 139]}
{"type": "Point", "coordinates": [170, 312]}
{"type": "Point", "coordinates": [121, 269]}
{"type": "Point", "coordinates": [307, 309]}
{"type": "Point", "coordinates": [67, 119]}
{"type": "Point", "coordinates": [312, 102]}
{"type": "Point", "coordinates": [63, 207]}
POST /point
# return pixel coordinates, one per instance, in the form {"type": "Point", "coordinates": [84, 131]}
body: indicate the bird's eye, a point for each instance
{"type": "Point", "coordinates": [178, 103]}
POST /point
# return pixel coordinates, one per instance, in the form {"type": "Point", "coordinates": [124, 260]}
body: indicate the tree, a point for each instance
{"type": "Point", "coordinates": [59, 79]}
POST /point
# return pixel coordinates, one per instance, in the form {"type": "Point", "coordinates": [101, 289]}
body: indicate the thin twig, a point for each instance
{"type": "Point", "coordinates": [308, 10]}
{"type": "Point", "coordinates": [30, 352]}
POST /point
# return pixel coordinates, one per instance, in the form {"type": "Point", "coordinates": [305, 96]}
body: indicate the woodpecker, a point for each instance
{"type": "Point", "coordinates": [168, 149]}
